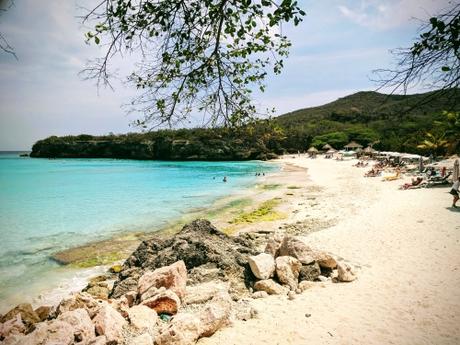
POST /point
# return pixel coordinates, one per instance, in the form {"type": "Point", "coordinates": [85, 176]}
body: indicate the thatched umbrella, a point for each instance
{"type": "Point", "coordinates": [327, 147]}
{"type": "Point", "coordinates": [353, 145]}
{"type": "Point", "coordinates": [312, 149]}
{"type": "Point", "coordinates": [331, 151]}
{"type": "Point", "coordinates": [455, 173]}
{"type": "Point", "coordinates": [369, 150]}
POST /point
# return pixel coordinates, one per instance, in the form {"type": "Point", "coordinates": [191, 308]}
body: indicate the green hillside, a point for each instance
{"type": "Point", "coordinates": [397, 122]}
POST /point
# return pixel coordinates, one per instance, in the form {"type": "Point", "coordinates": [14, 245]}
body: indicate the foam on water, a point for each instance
{"type": "Point", "coordinates": [50, 205]}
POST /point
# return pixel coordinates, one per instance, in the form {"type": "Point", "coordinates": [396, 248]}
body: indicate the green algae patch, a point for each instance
{"type": "Point", "coordinates": [271, 186]}
{"type": "Point", "coordinates": [105, 259]}
{"type": "Point", "coordinates": [264, 213]}
{"type": "Point", "coordinates": [232, 206]}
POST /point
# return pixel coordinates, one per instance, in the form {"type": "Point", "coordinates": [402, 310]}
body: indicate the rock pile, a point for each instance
{"type": "Point", "coordinates": [175, 291]}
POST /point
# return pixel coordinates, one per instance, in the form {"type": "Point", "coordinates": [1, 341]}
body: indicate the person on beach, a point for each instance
{"type": "Point", "coordinates": [454, 192]}
{"type": "Point", "coordinates": [225, 179]}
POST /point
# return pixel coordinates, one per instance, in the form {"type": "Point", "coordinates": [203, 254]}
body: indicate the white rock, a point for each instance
{"type": "Point", "coordinates": [83, 328]}
{"type": "Point", "coordinates": [345, 272]}
{"type": "Point", "coordinates": [262, 265]}
{"type": "Point", "coordinates": [110, 323]}
{"type": "Point", "coordinates": [204, 292]}
{"type": "Point", "coordinates": [295, 247]}
{"type": "Point", "coordinates": [259, 294]}
{"type": "Point", "coordinates": [184, 329]}
{"type": "Point", "coordinates": [287, 270]}
{"type": "Point", "coordinates": [270, 286]}
{"type": "Point", "coordinates": [12, 326]}
{"type": "Point", "coordinates": [143, 339]}
{"type": "Point", "coordinates": [50, 333]}
{"type": "Point", "coordinates": [142, 317]}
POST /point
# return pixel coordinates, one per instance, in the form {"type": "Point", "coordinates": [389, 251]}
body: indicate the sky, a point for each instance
{"type": "Point", "coordinates": [335, 49]}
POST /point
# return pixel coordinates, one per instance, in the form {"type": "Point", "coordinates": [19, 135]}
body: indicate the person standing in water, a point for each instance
{"type": "Point", "coordinates": [225, 179]}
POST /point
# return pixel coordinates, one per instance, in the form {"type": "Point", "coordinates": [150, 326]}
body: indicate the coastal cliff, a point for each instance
{"type": "Point", "coordinates": [195, 144]}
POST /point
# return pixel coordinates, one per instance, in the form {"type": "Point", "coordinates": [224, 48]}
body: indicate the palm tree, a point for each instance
{"type": "Point", "coordinates": [434, 143]}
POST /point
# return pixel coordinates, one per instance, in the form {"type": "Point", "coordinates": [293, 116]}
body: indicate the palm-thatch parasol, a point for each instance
{"type": "Point", "coordinates": [369, 150]}
{"type": "Point", "coordinates": [353, 145]}
{"type": "Point", "coordinates": [312, 149]}
{"type": "Point", "coordinates": [327, 147]}
{"type": "Point", "coordinates": [331, 151]}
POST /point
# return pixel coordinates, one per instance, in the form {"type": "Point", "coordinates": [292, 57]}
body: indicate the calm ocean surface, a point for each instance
{"type": "Point", "coordinates": [49, 205]}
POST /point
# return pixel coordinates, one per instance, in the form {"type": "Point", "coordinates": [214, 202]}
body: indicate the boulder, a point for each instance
{"type": "Point", "coordinates": [122, 287]}
{"type": "Point", "coordinates": [78, 301]}
{"type": "Point", "coordinates": [259, 294]}
{"type": "Point", "coordinates": [305, 285]}
{"type": "Point", "coordinates": [131, 298]}
{"type": "Point", "coordinates": [262, 265]}
{"type": "Point", "coordinates": [162, 301]}
{"type": "Point", "coordinates": [28, 315]}
{"type": "Point", "coordinates": [216, 314]}
{"type": "Point", "coordinates": [346, 273]}
{"type": "Point", "coordinates": [44, 312]}
{"type": "Point", "coordinates": [50, 333]}
{"type": "Point", "coordinates": [12, 326]}
{"type": "Point", "coordinates": [110, 323]}
{"type": "Point", "coordinates": [184, 329]}
{"type": "Point", "coordinates": [270, 286]}
{"type": "Point", "coordinates": [142, 317]}
{"type": "Point", "coordinates": [287, 270]}
{"type": "Point", "coordinates": [309, 272]}
{"type": "Point", "coordinates": [100, 340]}
{"type": "Point", "coordinates": [83, 328]}
{"type": "Point", "coordinates": [99, 290]}
{"type": "Point", "coordinates": [143, 339]}
{"type": "Point", "coordinates": [272, 247]}
{"type": "Point", "coordinates": [15, 339]}
{"type": "Point", "coordinates": [172, 277]}
{"type": "Point", "coordinates": [121, 305]}
{"type": "Point", "coordinates": [198, 243]}
{"type": "Point", "coordinates": [296, 248]}
{"type": "Point", "coordinates": [202, 293]}
{"type": "Point", "coordinates": [325, 260]}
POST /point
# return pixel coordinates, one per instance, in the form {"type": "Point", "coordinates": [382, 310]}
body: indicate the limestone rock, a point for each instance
{"type": "Point", "coordinates": [204, 292]}
{"type": "Point", "coordinates": [143, 339]}
{"type": "Point", "coordinates": [44, 312]}
{"type": "Point", "coordinates": [262, 265]}
{"type": "Point", "coordinates": [216, 314]}
{"type": "Point", "coordinates": [260, 294]}
{"type": "Point", "coordinates": [163, 301]}
{"type": "Point", "coordinates": [121, 305]}
{"type": "Point", "coordinates": [269, 286]}
{"type": "Point", "coordinates": [173, 277]}
{"type": "Point", "coordinates": [287, 270]}
{"type": "Point", "coordinates": [291, 295]}
{"type": "Point", "coordinates": [50, 333]}
{"type": "Point", "coordinates": [122, 287]}
{"type": "Point", "coordinates": [325, 260]}
{"type": "Point", "coordinates": [305, 285]}
{"type": "Point", "coordinates": [100, 340]}
{"type": "Point", "coordinates": [142, 317]}
{"type": "Point", "coordinates": [15, 339]}
{"type": "Point", "coordinates": [99, 290]}
{"type": "Point", "coordinates": [109, 322]}
{"type": "Point", "coordinates": [83, 328]}
{"type": "Point", "coordinates": [346, 273]}
{"type": "Point", "coordinates": [272, 247]}
{"type": "Point", "coordinates": [296, 248]}
{"type": "Point", "coordinates": [309, 272]}
{"type": "Point", "coordinates": [77, 301]}
{"type": "Point", "coordinates": [131, 298]}
{"type": "Point", "coordinates": [28, 315]}
{"type": "Point", "coordinates": [12, 326]}
{"type": "Point", "coordinates": [184, 329]}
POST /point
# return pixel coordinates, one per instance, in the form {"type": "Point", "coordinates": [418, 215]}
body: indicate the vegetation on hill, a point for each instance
{"type": "Point", "coordinates": [388, 122]}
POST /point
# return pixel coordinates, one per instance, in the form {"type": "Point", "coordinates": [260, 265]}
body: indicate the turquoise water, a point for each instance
{"type": "Point", "coordinates": [49, 205]}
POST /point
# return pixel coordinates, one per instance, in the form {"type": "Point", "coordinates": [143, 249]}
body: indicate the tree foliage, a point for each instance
{"type": "Point", "coordinates": [194, 55]}
{"type": "Point", "coordinates": [5, 46]}
{"type": "Point", "coordinates": [433, 60]}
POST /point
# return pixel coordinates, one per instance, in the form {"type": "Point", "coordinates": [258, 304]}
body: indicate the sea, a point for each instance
{"type": "Point", "coordinates": [47, 205]}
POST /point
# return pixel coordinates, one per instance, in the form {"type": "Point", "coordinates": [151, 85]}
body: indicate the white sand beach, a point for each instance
{"type": "Point", "coordinates": [406, 246]}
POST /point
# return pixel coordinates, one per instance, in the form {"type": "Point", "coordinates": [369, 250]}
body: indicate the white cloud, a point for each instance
{"type": "Point", "coordinates": [390, 14]}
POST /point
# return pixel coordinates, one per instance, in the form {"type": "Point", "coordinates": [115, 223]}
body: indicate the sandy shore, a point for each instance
{"type": "Point", "coordinates": [405, 244]}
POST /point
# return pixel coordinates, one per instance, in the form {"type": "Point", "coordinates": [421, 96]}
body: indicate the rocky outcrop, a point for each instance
{"type": "Point", "coordinates": [28, 315]}
{"type": "Point", "coordinates": [292, 246]}
{"type": "Point", "coordinates": [83, 328]}
{"type": "Point", "coordinates": [79, 300]}
{"type": "Point", "coordinates": [162, 301]}
{"type": "Point", "coordinates": [142, 317]}
{"type": "Point", "coordinates": [197, 244]}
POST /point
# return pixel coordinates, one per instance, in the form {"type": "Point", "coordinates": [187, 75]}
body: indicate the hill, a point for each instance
{"type": "Point", "coordinates": [397, 122]}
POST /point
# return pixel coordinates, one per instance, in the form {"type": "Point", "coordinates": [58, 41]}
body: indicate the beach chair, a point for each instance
{"type": "Point", "coordinates": [436, 181]}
